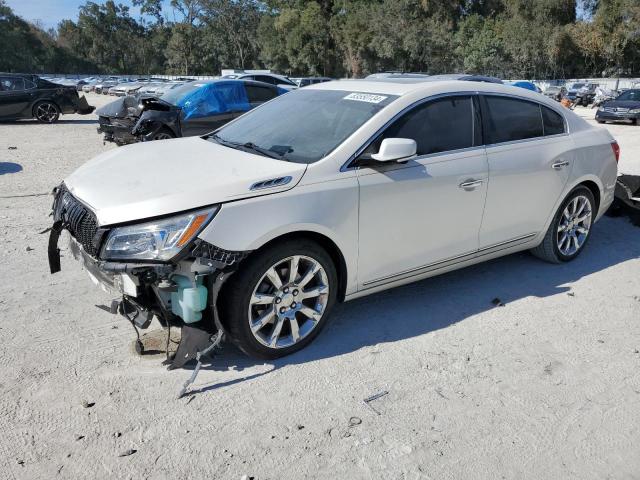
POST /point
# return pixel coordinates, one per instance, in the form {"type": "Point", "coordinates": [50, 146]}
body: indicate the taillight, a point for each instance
{"type": "Point", "coordinates": [616, 150]}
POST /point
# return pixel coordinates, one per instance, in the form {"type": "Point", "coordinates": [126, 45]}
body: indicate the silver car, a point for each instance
{"type": "Point", "coordinates": [329, 193]}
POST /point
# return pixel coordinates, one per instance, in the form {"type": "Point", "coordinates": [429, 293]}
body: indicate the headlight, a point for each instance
{"type": "Point", "coordinates": [634, 110]}
{"type": "Point", "coordinates": [157, 240]}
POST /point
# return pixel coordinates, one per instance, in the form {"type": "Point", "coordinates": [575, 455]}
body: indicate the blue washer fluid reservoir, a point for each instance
{"type": "Point", "coordinates": [190, 300]}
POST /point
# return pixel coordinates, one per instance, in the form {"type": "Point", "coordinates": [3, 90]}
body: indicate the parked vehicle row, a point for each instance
{"type": "Point", "coordinates": [329, 193]}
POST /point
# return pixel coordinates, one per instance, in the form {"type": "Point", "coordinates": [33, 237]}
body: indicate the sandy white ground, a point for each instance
{"type": "Point", "coordinates": [546, 387]}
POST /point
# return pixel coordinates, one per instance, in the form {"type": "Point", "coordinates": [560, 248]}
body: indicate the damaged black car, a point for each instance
{"type": "Point", "coordinates": [192, 109]}
{"type": "Point", "coordinates": [29, 96]}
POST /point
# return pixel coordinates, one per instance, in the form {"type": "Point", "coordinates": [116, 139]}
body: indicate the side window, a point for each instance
{"type": "Point", "coordinates": [437, 126]}
{"type": "Point", "coordinates": [553, 122]}
{"type": "Point", "coordinates": [510, 119]}
{"type": "Point", "coordinates": [259, 94]}
{"type": "Point", "coordinates": [11, 84]}
{"type": "Point", "coordinates": [28, 85]}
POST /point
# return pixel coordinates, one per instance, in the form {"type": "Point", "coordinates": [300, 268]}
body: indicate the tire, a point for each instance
{"type": "Point", "coordinates": [238, 312]}
{"type": "Point", "coordinates": [552, 249]}
{"type": "Point", "coordinates": [600, 121]}
{"type": "Point", "coordinates": [46, 112]}
{"type": "Point", "coordinates": [163, 134]}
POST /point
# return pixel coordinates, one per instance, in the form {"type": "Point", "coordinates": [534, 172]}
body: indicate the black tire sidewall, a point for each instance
{"type": "Point", "coordinates": [237, 294]}
{"type": "Point", "coordinates": [35, 109]}
{"type": "Point", "coordinates": [579, 191]}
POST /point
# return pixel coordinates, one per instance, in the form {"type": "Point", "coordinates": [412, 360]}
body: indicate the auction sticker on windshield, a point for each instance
{"type": "Point", "coordinates": [365, 97]}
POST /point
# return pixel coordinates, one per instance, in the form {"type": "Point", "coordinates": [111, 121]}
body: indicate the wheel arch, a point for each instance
{"type": "Point", "coordinates": [45, 99]}
{"type": "Point", "coordinates": [325, 242]}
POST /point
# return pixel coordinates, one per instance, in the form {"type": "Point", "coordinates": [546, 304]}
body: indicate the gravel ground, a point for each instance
{"type": "Point", "coordinates": [545, 387]}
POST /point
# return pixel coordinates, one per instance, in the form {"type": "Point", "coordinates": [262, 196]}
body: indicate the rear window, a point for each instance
{"type": "Point", "coordinates": [510, 119]}
{"type": "Point", "coordinates": [553, 122]}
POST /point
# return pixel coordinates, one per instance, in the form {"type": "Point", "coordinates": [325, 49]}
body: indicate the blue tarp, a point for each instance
{"type": "Point", "coordinates": [215, 98]}
{"type": "Point", "coordinates": [524, 84]}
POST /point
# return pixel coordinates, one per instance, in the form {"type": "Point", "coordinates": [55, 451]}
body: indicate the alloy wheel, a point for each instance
{"type": "Point", "coordinates": [46, 112]}
{"type": "Point", "coordinates": [162, 136]}
{"type": "Point", "coordinates": [288, 301]}
{"type": "Point", "coordinates": [574, 226]}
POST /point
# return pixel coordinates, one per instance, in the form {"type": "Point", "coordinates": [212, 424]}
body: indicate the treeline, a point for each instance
{"type": "Point", "coordinates": [506, 38]}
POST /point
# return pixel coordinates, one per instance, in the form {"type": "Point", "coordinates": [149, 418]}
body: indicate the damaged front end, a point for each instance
{"type": "Point", "coordinates": [627, 197]}
{"type": "Point", "coordinates": [131, 119]}
{"type": "Point", "coordinates": [158, 269]}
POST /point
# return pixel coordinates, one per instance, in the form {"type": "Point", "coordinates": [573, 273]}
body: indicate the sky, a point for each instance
{"type": "Point", "coordinates": [51, 12]}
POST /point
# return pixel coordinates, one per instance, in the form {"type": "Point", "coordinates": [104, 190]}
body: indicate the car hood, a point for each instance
{"type": "Point", "coordinates": [622, 103]}
{"type": "Point", "coordinates": [157, 178]}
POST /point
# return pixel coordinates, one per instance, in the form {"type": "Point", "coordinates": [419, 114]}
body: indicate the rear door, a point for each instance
{"type": "Point", "coordinates": [15, 99]}
{"type": "Point", "coordinates": [530, 156]}
{"type": "Point", "coordinates": [420, 215]}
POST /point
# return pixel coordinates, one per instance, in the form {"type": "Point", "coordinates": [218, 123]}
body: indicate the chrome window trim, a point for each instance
{"type": "Point", "coordinates": [345, 167]}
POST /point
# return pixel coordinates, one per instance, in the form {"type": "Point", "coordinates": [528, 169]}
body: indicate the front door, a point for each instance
{"type": "Point", "coordinates": [423, 214]}
{"type": "Point", "coordinates": [14, 98]}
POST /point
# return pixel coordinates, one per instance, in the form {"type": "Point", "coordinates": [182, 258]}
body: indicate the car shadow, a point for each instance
{"type": "Point", "coordinates": [432, 304]}
{"type": "Point", "coordinates": [61, 121]}
{"type": "Point", "coordinates": [9, 167]}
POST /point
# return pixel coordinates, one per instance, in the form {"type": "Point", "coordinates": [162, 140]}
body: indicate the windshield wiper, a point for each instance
{"type": "Point", "coordinates": [248, 146]}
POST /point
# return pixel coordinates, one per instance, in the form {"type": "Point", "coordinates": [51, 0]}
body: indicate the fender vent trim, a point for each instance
{"type": "Point", "coordinates": [272, 182]}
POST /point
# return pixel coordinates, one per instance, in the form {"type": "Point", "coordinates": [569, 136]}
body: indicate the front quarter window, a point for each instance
{"type": "Point", "coordinates": [303, 126]}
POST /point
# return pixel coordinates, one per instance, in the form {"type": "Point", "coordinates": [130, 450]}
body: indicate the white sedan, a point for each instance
{"type": "Point", "coordinates": [332, 192]}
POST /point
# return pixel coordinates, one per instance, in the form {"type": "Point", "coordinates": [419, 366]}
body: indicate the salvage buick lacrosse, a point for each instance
{"type": "Point", "coordinates": [329, 193]}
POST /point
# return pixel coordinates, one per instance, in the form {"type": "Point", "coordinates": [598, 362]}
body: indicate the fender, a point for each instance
{"type": "Point", "coordinates": [326, 208]}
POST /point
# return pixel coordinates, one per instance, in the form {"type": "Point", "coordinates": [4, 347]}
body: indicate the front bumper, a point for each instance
{"type": "Point", "coordinates": [119, 134]}
{"type": "Point", "coordinates": [617, 116]}
{"type": "Point", "coordinates": [83, 107]}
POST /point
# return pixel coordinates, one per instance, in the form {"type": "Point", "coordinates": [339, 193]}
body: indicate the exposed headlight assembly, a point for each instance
{"type": "Point", "coordinates": [160, 239]}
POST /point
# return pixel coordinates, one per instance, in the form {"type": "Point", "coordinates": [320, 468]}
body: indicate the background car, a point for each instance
{"type": "Point", "coordinates": [28, 96]}
{"type": "Point", "coordinates": [625, 108]}
{"type": "Point", "coordinates": [306, 81]}
{"type": "Point", "coordinates": [193, 108]}
{"type": "Point", "coordinates": [556, 92]}
{"type": "Point", "coordinates": [271, 78]}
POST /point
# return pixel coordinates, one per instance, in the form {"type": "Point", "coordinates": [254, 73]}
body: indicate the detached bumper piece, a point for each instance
{"type": "Point", "coordinates": [83, 107]}
{"type": "Point", "coordinates": [627, 197]}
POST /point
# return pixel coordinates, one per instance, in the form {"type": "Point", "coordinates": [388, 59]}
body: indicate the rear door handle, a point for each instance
{"type": "Point", "coordinates": [470, 184]}
{"type": "Point", "coordinates": [559, 165]}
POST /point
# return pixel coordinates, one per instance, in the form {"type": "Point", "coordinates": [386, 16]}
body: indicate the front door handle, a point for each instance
{"type": "Point", "coordinates": [559, 165]}
{"type": "Point", "coordinates": [470, 184]}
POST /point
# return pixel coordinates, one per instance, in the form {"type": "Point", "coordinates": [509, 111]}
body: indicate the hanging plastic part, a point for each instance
{"type": "Point", "coordinates": [215, 342]}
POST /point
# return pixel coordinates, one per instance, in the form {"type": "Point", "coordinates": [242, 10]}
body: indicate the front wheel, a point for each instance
{"type": "Point", "coordinates": [163, 134]}
{"type": "Point", "coordinates": [570, 228]}
{"type": "Point", "coordinates": [280, 299]}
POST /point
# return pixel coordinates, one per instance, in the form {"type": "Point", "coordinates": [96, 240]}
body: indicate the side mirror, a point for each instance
{"type": "Point", "coordinates": [396, 150]}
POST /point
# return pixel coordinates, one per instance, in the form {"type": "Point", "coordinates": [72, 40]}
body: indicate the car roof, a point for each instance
{"type": "Point", "coordinates": [408, 86]}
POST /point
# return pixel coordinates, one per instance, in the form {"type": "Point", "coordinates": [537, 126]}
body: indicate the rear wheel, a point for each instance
{"type": "Point", "coordinates": [570, 229]}
{"type": "Point", "coordinates": [46, 112]}
{"type": "Point", "coordinates": [280, 299]}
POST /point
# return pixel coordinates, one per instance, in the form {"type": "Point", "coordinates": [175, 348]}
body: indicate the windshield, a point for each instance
{"type": "Point", "coordinates": [174, 95]}
{"type": "Point", "coordinates": [632, 95]}
{"type": "Point", "coordinates": [303, 126]}
{"type": "Point", "coordinates": [576, 86]}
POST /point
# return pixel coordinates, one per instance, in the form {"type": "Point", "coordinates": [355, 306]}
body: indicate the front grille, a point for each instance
{"type": "Point", "coordinates": [615, 109]}
{"type": "Point", "coordinates": [77, 219]}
